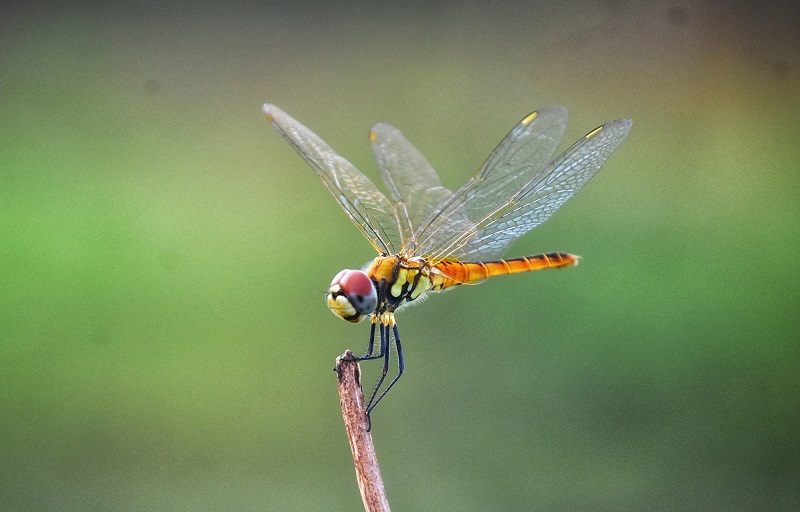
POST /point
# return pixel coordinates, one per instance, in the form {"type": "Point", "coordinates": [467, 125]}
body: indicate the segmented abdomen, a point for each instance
{"type": "Point", "coordinates": [451, 273]}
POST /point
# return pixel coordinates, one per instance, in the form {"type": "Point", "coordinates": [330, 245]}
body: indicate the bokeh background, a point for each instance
{"type": "Point", "coordinates": [164, 253]}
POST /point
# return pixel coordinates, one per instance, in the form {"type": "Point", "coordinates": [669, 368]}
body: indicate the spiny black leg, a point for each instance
{"type": "Point", "coordinates": [385, 350]}
{"type": "Point", "coordinates": [401, 363]}
{"type": "Point", "coordinates": [400, 367]}
{"type": "Point", "coordinates": [369, 355]}
{"type": "Point", "coordinates": [371, 341]}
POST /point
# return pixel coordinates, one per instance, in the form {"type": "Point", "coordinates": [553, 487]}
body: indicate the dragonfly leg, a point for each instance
{"type": "Point", "coordinates": [371, 345]}
{"type": "Point", "coordinates": [369, 355]}
{"type": "Point", "coordinates": [400, 367]}
{"type": "Point", "coordinates": [386, 352]}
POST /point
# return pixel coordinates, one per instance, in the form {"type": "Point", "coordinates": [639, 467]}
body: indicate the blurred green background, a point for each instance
{"type": "Point", "coordinates": [164, 254]}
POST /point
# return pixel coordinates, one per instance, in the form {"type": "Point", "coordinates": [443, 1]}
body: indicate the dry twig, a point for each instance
{"type": "Point", "coordinates": [356, 424]}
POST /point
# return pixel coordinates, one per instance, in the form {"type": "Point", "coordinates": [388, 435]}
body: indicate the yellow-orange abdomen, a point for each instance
{"type": "Point", "coordinates": [457, 272]}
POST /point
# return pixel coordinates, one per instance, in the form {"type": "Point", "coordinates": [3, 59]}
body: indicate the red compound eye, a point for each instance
{"type": "Point", "coordinates": [356, 282]}
{"type": "Point", "coordinates": [358, 289]}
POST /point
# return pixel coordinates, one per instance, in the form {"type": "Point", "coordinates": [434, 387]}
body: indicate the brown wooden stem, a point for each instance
{"type": "Point", "coordinates": [356, 423]}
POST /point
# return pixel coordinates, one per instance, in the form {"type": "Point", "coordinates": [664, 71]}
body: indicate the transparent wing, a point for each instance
{"type": "Point", "coordinates": [367, 207]}
{"type": "Point", "coordinates": [500, 218]}
{"type": "Point", "coordinates": [516, 161]}
{"type": "Point", "coordinates": [414, 187]}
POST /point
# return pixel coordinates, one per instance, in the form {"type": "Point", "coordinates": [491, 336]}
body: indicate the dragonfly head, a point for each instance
{"type": "Point", "coordinates": [352, 296]}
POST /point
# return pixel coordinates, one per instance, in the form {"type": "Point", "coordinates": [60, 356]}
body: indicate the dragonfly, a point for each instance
{"type": "Point", "coordinates": [430, 238]}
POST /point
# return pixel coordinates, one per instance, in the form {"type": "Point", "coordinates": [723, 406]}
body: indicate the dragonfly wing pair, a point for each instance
{"type": "Point", "coordinates": [519, 187]}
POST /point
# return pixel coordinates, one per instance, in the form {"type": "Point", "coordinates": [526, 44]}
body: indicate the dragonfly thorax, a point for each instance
{"type": "Point", "coordinates": [400, 280]}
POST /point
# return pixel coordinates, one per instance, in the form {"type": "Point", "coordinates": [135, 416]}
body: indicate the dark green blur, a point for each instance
{"type": "Point", "coordinates": [164, 343]}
